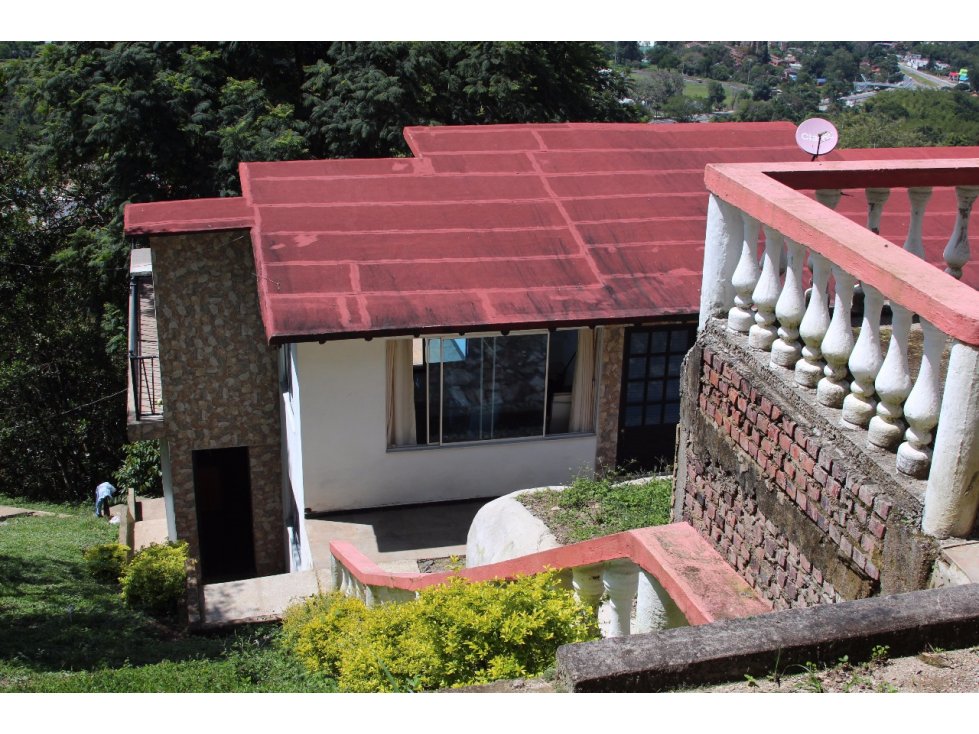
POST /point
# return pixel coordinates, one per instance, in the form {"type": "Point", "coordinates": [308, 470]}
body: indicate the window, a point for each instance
{"type": "Point", "coordinates": [494, 387]}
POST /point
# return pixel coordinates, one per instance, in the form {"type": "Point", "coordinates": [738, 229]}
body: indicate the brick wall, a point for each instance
{"type": "Point", "coordinates": [220, 379]}
{"type": "Point", "coordinates": [775, 487]}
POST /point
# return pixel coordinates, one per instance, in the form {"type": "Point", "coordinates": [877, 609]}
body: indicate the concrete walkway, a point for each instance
{"type": "Point", "coordinates": [395, 538]}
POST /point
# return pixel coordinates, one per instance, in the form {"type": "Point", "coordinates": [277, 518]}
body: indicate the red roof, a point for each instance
{"type": "Point", "coordinates": [498, 226]}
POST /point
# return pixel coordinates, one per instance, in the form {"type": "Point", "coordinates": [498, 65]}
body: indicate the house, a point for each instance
{"type": "Point", "coordinates": [508, 306]}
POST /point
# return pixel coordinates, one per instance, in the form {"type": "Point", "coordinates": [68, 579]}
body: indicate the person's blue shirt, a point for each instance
{"type": "Point", "coordinates": [103, 493]}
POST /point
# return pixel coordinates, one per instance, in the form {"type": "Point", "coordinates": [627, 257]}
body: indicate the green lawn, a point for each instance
{"type": "Point", "coordinates": [62, 631]}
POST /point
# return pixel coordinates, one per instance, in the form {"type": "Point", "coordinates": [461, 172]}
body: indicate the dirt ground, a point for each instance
{"type": "Point", "coordinates": [949, 671]}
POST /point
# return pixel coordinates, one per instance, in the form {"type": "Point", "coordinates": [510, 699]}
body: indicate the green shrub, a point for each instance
{"type": "Point", "coordinates": [108, 561]}
{"type": "Point", "coordinates": [141, 469]}
{"type": "Point", "coordinates": [454, 634]}
{"type": "Point", "coordinates": [156, 578]}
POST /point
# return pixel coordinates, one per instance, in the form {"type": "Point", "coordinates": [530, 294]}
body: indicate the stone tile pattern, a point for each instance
{"type": "Point", "coordinates": [851, 515]}
{"type": "Point", "coordinates": [220, 378]}
{"type": "Point", "coordinates": [609, 396]}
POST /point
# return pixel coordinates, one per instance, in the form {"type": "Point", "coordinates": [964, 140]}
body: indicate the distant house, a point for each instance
{"type": "Point", "coordinates": [509, 306]}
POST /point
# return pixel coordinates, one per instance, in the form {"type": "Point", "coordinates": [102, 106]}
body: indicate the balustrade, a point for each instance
{"type": "Point", "coordinates": [873, 390]}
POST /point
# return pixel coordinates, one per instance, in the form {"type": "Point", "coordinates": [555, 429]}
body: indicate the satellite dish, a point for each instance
{"type": "Point", "coordinates": [816, 136]}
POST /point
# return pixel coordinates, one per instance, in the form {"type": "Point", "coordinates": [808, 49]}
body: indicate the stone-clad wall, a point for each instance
{"type": "Point", "coordinates": [783, 493]}
{"type": "Point", "coordinates": [220, 379]}
{"type": "Point", "coordinates": [609, 396]}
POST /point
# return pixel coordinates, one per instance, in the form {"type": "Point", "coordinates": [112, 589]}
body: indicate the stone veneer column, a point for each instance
{"type": "Point", "coordinates": [220, 378]}
{"type": "Point", "coordinates": [609, 394]}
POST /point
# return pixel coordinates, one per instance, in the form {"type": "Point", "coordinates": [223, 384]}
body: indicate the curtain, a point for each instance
{"type": "Point", "coordinates": [583, 388]}
{"type": "Point", "coordinates": [401, 394]}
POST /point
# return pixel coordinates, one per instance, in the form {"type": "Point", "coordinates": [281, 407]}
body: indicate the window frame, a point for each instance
{"type": "Point", "coordinates": [546, 413]}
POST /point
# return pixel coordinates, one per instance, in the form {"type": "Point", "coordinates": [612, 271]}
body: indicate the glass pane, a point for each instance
{"type": "Point", "coordinates": [657, 366]}
{"type": "Point", "coordinates": [654, 391]}
{"type": "Point", "coordinates": [671, 413]}
{"type": "Point", "coordinates": [679, 339]}
{"type": "Point", "coordinates": [676, 362]}
{"type": "Point", "coordinates": [638, 342]}
{"type": "Point", "coordinates": [564, 348]}
{"type": "Point", "coordinates": [672, 389]}
{"type": "Point", "coordinates": [633, 415]}
{"type": "Point", "coordinates": [657, 342]}
{"type": "Point", "coordinates": [653, 415]}
{"type": "Point", "coordinates": [493, 387]}
{"type": "Point", "coordinates": [635, 392]}
{"type": "Point", "coordinates": [518, 386]}
{"type": "Point", "coordinates": [637, 367]}
{"type": "Point", "coordinates": [466, 390]}
{"type": "Point", "coordinates": [434, 389]}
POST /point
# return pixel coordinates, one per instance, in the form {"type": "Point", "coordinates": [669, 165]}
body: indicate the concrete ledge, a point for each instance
{"type": "Point", "coordinates": [727, 650]}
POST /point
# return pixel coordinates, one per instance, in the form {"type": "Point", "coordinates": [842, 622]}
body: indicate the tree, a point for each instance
{"type": "Point", "coordinates": [681, 108]}
{"type": "Point", "coordinates": [61, 386]}
{"type": "Point", "coordinates": [656, 87]}
{"type": "Point", "coordinates": [715, 94]}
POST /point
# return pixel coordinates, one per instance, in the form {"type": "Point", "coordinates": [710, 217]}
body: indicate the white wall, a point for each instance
{"type": "Point", "coordinates": [345, 460]}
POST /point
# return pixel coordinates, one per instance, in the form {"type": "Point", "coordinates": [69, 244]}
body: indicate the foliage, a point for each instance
{"type": "Point", "coordinates": [655, 87]}
{"type": "Point", "coordinates": [140, 469]}
{"type": "Point", "coordinates": [63, 631]}
{"type": "Point", "coordinates": [156, 579]}
{"type": "Point", "coordinates": [903, 118]}
{"type": "Point", "coordinates": [61, 424]}
{"type": "Point", "coordinates": [107, 562]}
{"type": "Point", "coordinates": [454, 634]}
{"type": "Point", "coordinates": [591, 508]}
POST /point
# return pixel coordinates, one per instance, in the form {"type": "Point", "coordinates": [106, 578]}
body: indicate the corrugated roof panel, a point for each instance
{"type": "Point", "coordinates": [397, 247]}
{"type": "Point", "coordinates": [406, 217]}
{"type": "Point", "coordinates": [478, 276]}
{"type": "Point", "coordinates": [636, 207]}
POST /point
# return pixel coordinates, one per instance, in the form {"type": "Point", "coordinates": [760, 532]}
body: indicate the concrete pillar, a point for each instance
{"type": "Point", "coordinates": [952, 495]}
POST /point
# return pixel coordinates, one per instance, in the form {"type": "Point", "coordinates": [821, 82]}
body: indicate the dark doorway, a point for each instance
{"type": "Point", "coordinates": [650, 407]}
{"type": "Point", "coordinates": [224, 514]}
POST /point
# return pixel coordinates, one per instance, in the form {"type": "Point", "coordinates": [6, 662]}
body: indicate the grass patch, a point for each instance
{"type": "Point", "coordinates": [61, 630]}
{"type": "Point", "coordinates": [591, 508]}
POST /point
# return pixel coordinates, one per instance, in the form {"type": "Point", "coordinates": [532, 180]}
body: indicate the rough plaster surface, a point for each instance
{"type": "Point", "coordinates": [505, 529]}
{"type": "Point", "coordinates": [220, 379]}
{"type": "Point", "coordinates": [609, 394]}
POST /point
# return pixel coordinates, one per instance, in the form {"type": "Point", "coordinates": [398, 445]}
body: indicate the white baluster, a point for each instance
{"type": "Point", "coordinates": [875, 207]}
{"type": "Point", "coordinates": [588, 587]}
{"type": "Point", "coordinates": [765, 296]}
{"type": "Point", "coordinates": [649, 607]}
{"type": "Point", "coordinates": [722, 248]}
{"type": "Point", "coordinates": [865, 362]}
{"type": "Point", "coordinates": [922, 406]}
{"type": "Point", "coordinates": [893, 384]}
{"type": "Point", "coordinates": [957, 250]}
{"type": "Point", "coordinates": [838, 343]}
{"type": "Point", "coordinates": [790, 309]}
{"type": "Point", "coordinates": [828, 197]}
{"type": "Point", "coordinates": [621, 581]}
{"type": "Point", "coordinates": [951, 496]}
{"type": "Point", "coordinates": [809, 369]}
{"type": "Point", "coordinates": [919, 197]}
{"type": "Point", "coordinates": [740, 317]}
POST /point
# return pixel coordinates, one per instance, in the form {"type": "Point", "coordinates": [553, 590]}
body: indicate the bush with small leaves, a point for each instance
{"type": "Point", "coordinates": [156, 578]}
{"type": "Point", "coordinates": [454, 634]}
{"type": "Point", "coordinates": [107, 562]}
